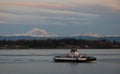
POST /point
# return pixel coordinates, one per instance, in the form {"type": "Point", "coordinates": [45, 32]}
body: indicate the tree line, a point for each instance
{"type": "Point", "coordinates": [59, 44]}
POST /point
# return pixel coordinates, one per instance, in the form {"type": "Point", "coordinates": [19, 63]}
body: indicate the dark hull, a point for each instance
{"type": "Point", "coordinates": [65, 59]}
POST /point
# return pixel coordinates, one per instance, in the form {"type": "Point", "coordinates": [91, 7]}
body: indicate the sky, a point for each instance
{"type": "Point", "coordinates": [62, 17]}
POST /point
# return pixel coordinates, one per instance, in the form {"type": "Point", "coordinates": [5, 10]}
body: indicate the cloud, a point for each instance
{"type": "Point", "coordinates": [2, 17]}
{"type": "Point", "coordinates": [95, 9]}
{"type": "Point", "coordinates": [47, 19]}
{"type": "Point", "coordinates": [62, 12]}
{"type": "Point", "coordinates": [32, 4]}
{"type": "Point", "coordinates": [47, 11]}
{"type": "Point", "coordinates": [47, 16]}
{"type": "Point", "coordinates": [114, 4]}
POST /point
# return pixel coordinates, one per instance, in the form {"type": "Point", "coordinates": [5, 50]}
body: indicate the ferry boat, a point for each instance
{"type": "Point", "coordinates": [74, 56]}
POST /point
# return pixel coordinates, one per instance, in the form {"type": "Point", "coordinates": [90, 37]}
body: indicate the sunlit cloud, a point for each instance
{"type": "Point", "coordinates": [114, 4]}
{"type": "Point", "coordinates": [73, 11]}
{"type": "Point", "coordinates": [31, 4]}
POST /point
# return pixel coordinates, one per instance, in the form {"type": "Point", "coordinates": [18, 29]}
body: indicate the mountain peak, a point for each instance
{"type": "Point", "coordinates": [39, 33]}
{"type": "Point", "coordinates": [90, 34]}
{"type": "Point", "coordinates": [36, 32]}
{"type": "Point", "coordinates": [37, 29]}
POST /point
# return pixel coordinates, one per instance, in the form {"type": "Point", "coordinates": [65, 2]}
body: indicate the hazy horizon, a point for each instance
{"type": "Point", "coordinates": [37, 32]}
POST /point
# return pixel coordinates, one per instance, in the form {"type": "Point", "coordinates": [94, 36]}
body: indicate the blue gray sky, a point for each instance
{"type": "Point", "coordinates": [62, 17]}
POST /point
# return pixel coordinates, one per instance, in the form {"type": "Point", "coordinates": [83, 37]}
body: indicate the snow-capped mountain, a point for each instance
{"type": "Point", "coordinates": [35, 33]}
{"type": "Point", "coordinates": [90, 34]}
{"type": "Point", "coordinates": [42, 34]}
{"type": "Point", "coordinates": [39, 33]}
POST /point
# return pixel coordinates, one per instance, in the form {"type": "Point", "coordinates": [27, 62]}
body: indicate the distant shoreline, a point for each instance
{"type": "Point", "coordinates": [67, 43]}
{"type": "Point", "coordinates": [60, 49]}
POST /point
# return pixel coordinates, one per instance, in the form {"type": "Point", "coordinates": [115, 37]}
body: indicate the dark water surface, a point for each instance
{"type": "Point", "coordinates": [41, 62]}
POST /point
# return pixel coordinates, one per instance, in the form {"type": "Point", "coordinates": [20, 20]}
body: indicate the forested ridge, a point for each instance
{"type": "Point", "coordinates": [59, 44]}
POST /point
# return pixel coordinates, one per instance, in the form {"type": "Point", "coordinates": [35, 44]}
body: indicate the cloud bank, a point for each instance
{"type": "Point", "coordinates": [77, 13]}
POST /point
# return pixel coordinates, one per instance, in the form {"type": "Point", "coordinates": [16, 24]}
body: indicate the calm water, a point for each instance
{"type": "Point", "coordinates": [41, 62]}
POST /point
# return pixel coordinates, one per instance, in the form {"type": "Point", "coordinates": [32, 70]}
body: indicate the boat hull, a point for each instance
{"type": "Point", "coordinates": [73, 59]}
